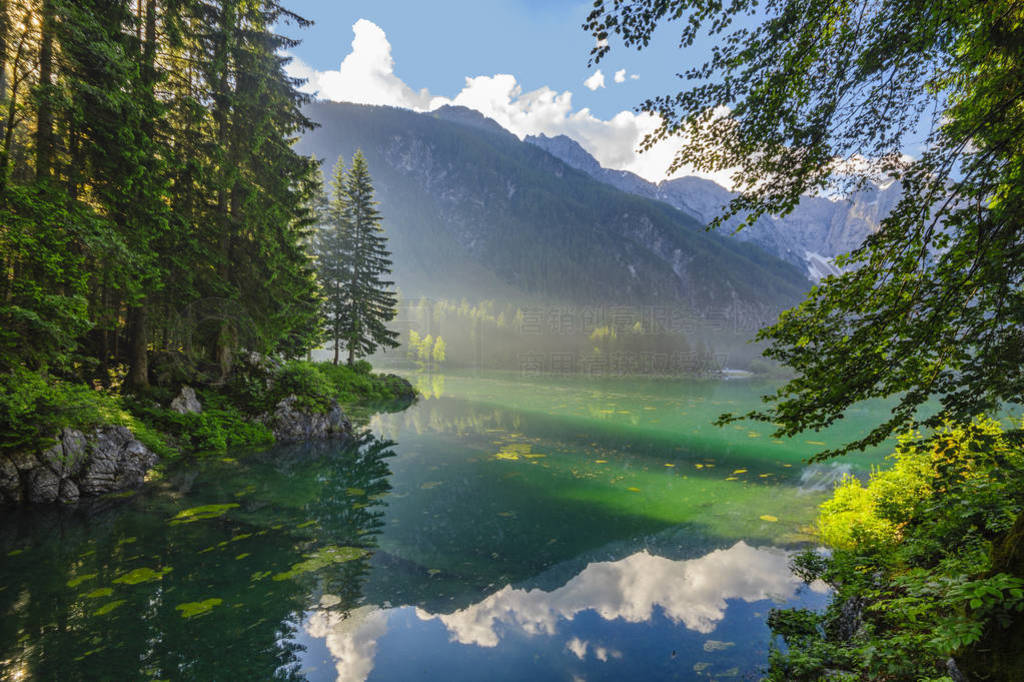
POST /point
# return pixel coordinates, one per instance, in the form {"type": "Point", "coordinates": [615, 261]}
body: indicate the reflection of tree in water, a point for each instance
{"type": "Point", "coordinates": [103, 594]}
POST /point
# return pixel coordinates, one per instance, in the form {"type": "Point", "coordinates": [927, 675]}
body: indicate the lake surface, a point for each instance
{"type": "Point", "coordinates": [505, 527]}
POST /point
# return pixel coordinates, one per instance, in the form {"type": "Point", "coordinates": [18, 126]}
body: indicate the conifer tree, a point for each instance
{"type": "Point", "coordinates": [333, 257]}
{"type": "Point", "coordinates": [354, 264]}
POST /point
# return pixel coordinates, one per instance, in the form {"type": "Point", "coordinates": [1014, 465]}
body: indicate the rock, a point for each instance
{"type": "Point", "coordinates": [42, 486]}
{"type": "Point", "coordinates": [108, 460]}
{"type": "Point", "coordinates": [25, 461]}
{"type": "Point", "coordinates": [117, 461]}
{"type": "Point", "coordinates": [68, 492]}
{"type": "Point", "coordinates": [65, 458]}
{"type": "Point", "coordinates": [186, 402]}
{"type": "Point", "coordinates": [291, 424]}
{"type": "Point", "coordinates": [10, 482]}
{"type": "Point", "coordinates": [337, 422]}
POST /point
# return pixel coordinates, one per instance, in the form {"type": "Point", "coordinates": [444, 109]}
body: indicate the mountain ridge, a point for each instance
{"type": "Point", "coordinates": [471, 208]}
{"type": "Point", "coordinates": [812, 235]}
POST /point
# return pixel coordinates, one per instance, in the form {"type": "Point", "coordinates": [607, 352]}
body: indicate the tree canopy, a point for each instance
{"type": "Point", "coordinates": [150, 198]}
{"type": "Point", "coordinates": [818, 96]}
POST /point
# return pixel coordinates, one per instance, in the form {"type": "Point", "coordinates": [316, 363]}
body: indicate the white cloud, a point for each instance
{"type": "Point", "coordinates": [578, 647]}
{"type": "Point", "coordinates": [595, 81]}
{"type": "Point", "coordinates": [694, 593]}
{"type": "Point", "coordinates": [367, 76]}
{"type": "Point", "coordinates": [633, 77]}
{"type": "Point", "coordinates": [620, 76]}
{"type": "Point", "coordinates": [351, 638]}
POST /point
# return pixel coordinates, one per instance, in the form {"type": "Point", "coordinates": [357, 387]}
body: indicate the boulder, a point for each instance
{"type": "Point", "coordinates": [66, 457]}
{"type": "Point", "coordinates": [42, 486]}
{"type": "Point", "coordinates": [291, 424]}
{"type": "Point", "coordinates": [187, 402]}
{"type": "Point", "coordinates": [69, 493]}
{"type": "Point", "coordinates": [117, 461]}
{"type": "Point", "coordinates": [24, 461]}
{"type": "Point", "coordinates": [10, 482]}
{"type": "Point", "coordinates": [108, 460]}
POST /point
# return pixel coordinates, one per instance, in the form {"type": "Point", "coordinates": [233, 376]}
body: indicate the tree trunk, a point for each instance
{"type": "Point", "coordinates": [4, 29]}
{"type": "Point", "coordinates": [138, 347]}
{"type": "Point", "coordinates": [138, 341]}
{"type": "Point", "coordinates": [44, 115]}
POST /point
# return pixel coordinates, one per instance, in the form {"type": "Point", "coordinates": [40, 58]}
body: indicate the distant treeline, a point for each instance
{"type": "Point", "coordinates": [150, 199]}
{"type": "Point", "coordinates": [565, 339]}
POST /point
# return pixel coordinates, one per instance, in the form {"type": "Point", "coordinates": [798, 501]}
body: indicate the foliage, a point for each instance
{"type": "Point", "coordinates": [822, 96]}
{"type": "Point", "coordinates": [34, 407]}
{"type": "Point", "coordinates": [353, 262]}
{"type": "Point", "coordinates": [220, 426]}
{"type": "Point", "coordinates": [911, 563]}
{"type": "Point", "coordinates": [150, 199]}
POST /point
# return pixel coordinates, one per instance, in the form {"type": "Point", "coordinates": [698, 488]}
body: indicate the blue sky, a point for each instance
{"type": "Point", "coordinates": [537, 47]}
{"type": "Point", "coordinates": [521, 62]}
{"type": "Point", "coordinates": [436, 45]}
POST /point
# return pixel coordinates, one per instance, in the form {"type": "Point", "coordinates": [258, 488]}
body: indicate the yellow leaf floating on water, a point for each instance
{"type": "Point", "coordinates": [324, 556]}
{"type": "Point", "coordinates": [208, 511]}
{"type": "Point", "coordinates": [534, 455]}
{"type": "Point", "coordinates": [142, 575]}
{"type": "Point", "coordinates": [434, 571]}
{"type": "Point", "coordinates": [633, 490]}
{"type": "Point", "coordinates": [107, 608]}
{"type": "Point", "coordinates": [75, 582]}
{"type": "Point", "coordinates": [769, 518]}
{"type": "Point", "coordinates": [600, 461]}
{"type": "Point", "coordinates": [699, 465]}
{"type": "Point", "coordinates": [198, 608]}
{"type": "Point", "coordinates": [510, 456]}
{"type": "Point", "coordinates": [732, 478]}
{"type": "Point", "coordinates": [669, 464]}
{"type": "Point", "coordinates": [815, 442]}
{"type": "Point", "coordinates": [765, 475]}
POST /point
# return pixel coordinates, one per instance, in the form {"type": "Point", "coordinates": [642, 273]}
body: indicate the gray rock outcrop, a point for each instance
{"type": "Point", "coordinates": [291, 424]}
{"type": "Point", "coordinates": [187, 402]}
{"type": "Point", "coordinates": [109, 459]}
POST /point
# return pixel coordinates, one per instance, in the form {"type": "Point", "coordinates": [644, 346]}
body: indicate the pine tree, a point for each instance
{"type": "Point", "coordinates": [361, 310]}
{"type": "Point", "coordinates": [333, 259]}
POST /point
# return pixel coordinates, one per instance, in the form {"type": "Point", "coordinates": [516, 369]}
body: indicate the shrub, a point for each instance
{"type": "Point", "coordinates": [35, 406]}
{"type": "Point", "coordinates": [911, 566]}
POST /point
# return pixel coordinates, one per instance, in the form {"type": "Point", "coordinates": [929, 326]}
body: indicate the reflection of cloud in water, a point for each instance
{"type": "Point", "coordinates": [692, 592]}
{"type": "Point", "coordinates": [579, 647]}
{"type": "Point", "coordinates": [351, 638]}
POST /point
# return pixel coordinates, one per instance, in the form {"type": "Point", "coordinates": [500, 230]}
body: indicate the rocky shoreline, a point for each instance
{"type": "Point", "coordinates": [109, 459]}
{"type": "Point", "coordinates": [105, 460]}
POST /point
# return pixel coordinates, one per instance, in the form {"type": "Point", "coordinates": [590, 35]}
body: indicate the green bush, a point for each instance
{"type": "Point", "coordinates": [221, 425]}
{"type": "Point", "coordinates": [35, 406]}
{"type": "Point", "coordinates": [912, 555]}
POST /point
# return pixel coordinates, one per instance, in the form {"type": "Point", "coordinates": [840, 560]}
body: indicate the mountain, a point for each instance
{"type": "Point", "coordinates": [472, 211]}
{"type": "Point", "coordinates": [814, 233]}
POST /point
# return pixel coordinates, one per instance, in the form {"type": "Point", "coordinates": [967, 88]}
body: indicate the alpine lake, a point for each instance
{"type": "Point", "coordinates": [504, 527]}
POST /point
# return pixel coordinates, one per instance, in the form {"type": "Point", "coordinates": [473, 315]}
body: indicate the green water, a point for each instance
{"type": "Point", "coordinates": [505, 527]}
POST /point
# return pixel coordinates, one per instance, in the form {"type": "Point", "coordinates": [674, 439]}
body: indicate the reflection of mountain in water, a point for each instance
{"type": "Point", "coordinates": [694, 593]}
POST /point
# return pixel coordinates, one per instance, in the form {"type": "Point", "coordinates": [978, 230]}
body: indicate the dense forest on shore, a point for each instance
{"type": "Point", "coordinates": [150, 195]}
{"type": "Point", "coordinates": [156, 223]}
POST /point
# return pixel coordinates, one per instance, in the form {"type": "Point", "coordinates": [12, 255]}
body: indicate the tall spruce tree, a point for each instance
{"type": "Point", "coordinates": [355, 263]}
{"type": "Point", "coordinates": [373, 301]}
{"type": "Point", "coordinates": [333, 258]}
